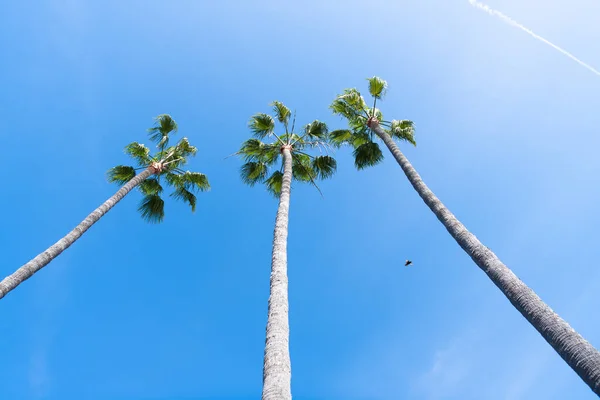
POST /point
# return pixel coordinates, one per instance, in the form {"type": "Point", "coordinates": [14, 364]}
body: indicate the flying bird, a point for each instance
{"type": "Point", "coordinates": [407, 263]}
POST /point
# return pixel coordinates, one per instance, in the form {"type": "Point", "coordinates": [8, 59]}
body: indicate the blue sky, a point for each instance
{"type": "Point", "coordinates": [507, 132]}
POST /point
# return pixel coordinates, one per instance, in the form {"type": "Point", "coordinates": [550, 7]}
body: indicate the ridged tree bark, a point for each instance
{"type": "Point", "coordinates": [277, 369]}
{"type": "Point", "coordinates": [581, 356]}
{"type": "Point", "coordinates": [41, 260]}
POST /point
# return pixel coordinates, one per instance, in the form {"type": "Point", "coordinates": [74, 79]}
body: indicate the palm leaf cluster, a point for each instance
{"type": "Point", "coordinates": [261, 154]}
{"type": "Point", "coordinates": [167, 162]}
{"type": "Point", "coordinates": [352, 106]}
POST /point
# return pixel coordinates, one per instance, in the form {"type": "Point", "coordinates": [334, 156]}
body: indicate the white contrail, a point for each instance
{"type": "Point", "coordinates": [514, 23]}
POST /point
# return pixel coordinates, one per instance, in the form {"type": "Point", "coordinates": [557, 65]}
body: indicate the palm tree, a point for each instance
{"type": "Point", "coordinates": [364, 123]}
{"type": "Point", "coordinates": [262, 164]}
{"type": "Point", "coordinates": [166, 162]}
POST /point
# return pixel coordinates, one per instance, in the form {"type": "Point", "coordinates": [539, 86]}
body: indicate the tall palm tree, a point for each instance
{"type": "Point", "coordinates": [364, 123]}
{"type": "Point", "coordinates": [276, 163]}
{"type": "Point", "coordinates": [167, 162]}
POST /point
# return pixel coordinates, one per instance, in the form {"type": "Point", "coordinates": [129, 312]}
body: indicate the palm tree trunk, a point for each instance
{"type": "Point", "coordinates": [277, 369]}
{"type": "Point", "coordinates": [43, 259]}
{"type": "Point", "coordinates": [574, 349]}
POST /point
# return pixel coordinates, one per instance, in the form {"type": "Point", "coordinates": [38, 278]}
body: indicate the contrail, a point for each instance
{"type": "Point", "coordinates": [514, 23]}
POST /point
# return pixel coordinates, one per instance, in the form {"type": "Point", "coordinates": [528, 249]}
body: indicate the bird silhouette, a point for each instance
{"type": "Point", "coordinates": [407, 263]}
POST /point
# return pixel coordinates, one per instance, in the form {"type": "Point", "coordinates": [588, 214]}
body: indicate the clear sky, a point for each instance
{"type": "Point", "coordinates": [507, 132]}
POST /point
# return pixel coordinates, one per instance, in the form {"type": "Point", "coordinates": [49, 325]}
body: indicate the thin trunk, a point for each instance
{"type": "Point", "coordinates": [43, 259]}
{"type": "Point", "coordinates": [277, 368]}
{"type": "Point", "coordinates": [574, 349]}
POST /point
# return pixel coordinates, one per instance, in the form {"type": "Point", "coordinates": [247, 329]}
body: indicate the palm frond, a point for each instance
{"type": "Point", "coordinates": [282, 113]}
{"type": "Point", "coordinates": [359, 138]}
{"type": "Point", "coordinates": [274, 183]}
{"type": "Point", "coordinates": [367, 155]}
{"type": "Point", "coordinates": [376, 112]}
{"type": "Point", "coordinates": [176, 156]}
{"type": "Point", "coordinates": [340, 107]}
{"type": "Point", "coordinates": [173, 179]}
{"type": "Point", "coordinates": [184, 149]}
{"type": "Point", "coordinates": [354, 99]}
{"type": "Point", "coordinates": [174, 165]}
{"type": "Point", "coordinates": [377, 87]}
{"type": "Point", "coordinates": [357, 124]}
{"type": "Point", "coordinates": [252, 149]}
{"type": "Point", "coordinates": [185, 195]}
{"type": "Point", "coordinates": [302, 169]}
{"type": "Point", "coordinates": [253, 172]}
{"type": "Point", "coordinates": [152, 208]}
{"type": "Point", "coordinates": [164, 125]}
{"type": "Point", "coordinates": [255, 150]}
{"type": "Point", "coordinates": [316, 130]}
{"type": "Point", "coordinates": [139, 152]}
{"type": "Point", "coordinates": [195, 181]}
{"type": "Point", "coordinates": [270, 153]}
{"type": "Point", "coordinates": [261, 125]}
{"type": "Point", "coordinates": [403, 130]}
{"type": "Point", "coordinates": [340, 136]}
{"type": "Point", "coordinates": [150, 187]}
{"type": "Point", "coordinates": [324, 166]}
{"type": "Point", "coordinates": [120, 174]}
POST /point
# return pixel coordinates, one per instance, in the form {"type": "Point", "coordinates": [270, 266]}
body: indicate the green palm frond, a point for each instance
{"type": "Point", "coordinates": [261, 125]}
{"type": "Point", "coordinates": [404, 130]}
{"type": "Point", "coordinates": [359, 138]}
{"type": "Point", "coordinates": [191, 181]}
{"type": "Point", "coordinates": [367, 155]}
{"type": "Point", "coordinates": [377, 114]}
{"type": "Point", "coordinates": [184, 149]}
{"type": "Point", "coordinates": [270, 153]}
{"type": "Point", "coordinates": [302, 169]}
{"type": "Point", "coordinates": [348, 111]}
{"type": "Point", "coordinates": [339, 137]}
{"type": "Point", "coordinates": [139, 152]}
{"type": "Point", "coordinates": [316, 130]}
{"type": "Point", "coordinates": [274, 183]}
{"type": "Point", "coordinates": [152, 208]}
{"type": "Point", "coordinates": [120, 174]}
{"type": "Point", "coordinates": [324, 166]}
{"type": "Point", "coordinates": [353, 98]}
{"type": "Point", "coordinates": [164, 125]}
{"type": "Point", "coordinates": [255, 150]}
{"type": "Point", "coordinates": [195, 181]}
{"type": "Point", "coordinates": [185, 195]}
{"type": "Point", "coordinates": [252, 149]}
{"type": "Point", "coordinates": [377, 87]}
{"type": "Point", "coordinates": [282, 113]}
{"type": "Point", "coordinates": [176, 156]}
{"type": "Point", "coordinates": [357, 124]}
{"type": "Point", "coordinates": [150, 187]}
{"type": "Point", "coordinates": [171, 160]}
{"type": "Point", "coordinates": [253, 172]}
{"type": "Point", "coordinates": [173, 179]}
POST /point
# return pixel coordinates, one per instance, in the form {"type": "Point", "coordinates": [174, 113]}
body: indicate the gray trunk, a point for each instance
{"type": "Point", "coordinates": [574, 349]}
{"type": "Point", "coordinates": [277, 368]}
{"type": "Point", "coordinates": [43, 259]}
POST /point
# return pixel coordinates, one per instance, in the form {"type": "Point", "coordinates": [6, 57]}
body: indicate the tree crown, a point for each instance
{"type": "Point", "coordinates": [166, 162]}
{"type": "Point", "coordinates": [352, 106]}
{"type": "Point", "coordinates": [261, 154]}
